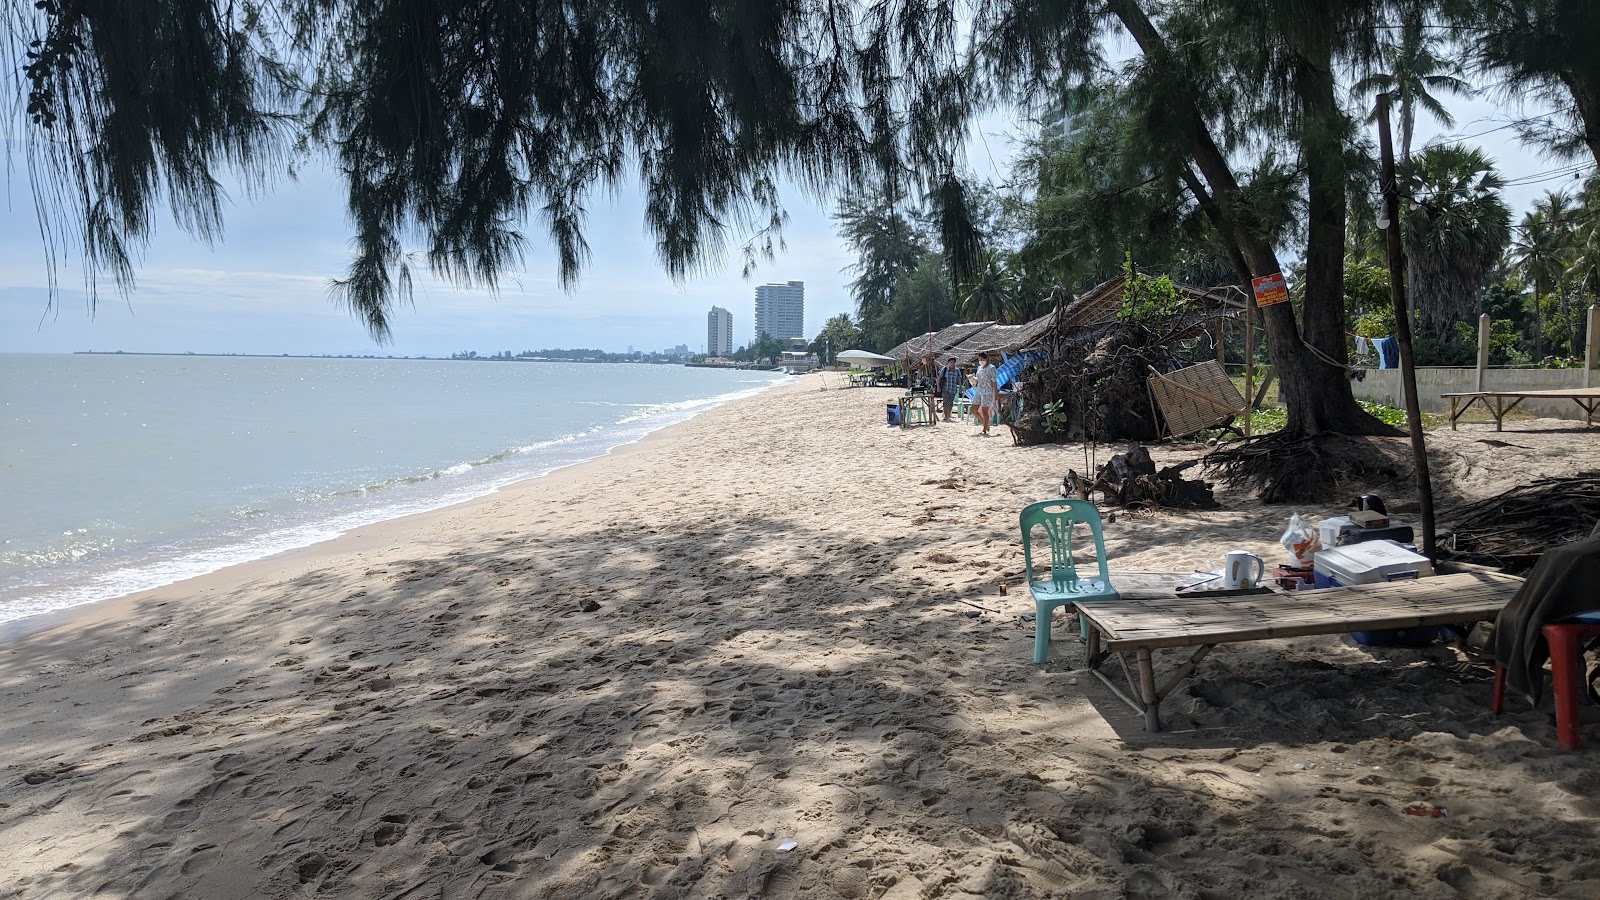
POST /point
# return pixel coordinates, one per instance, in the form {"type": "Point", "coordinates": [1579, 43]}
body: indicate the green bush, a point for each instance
{"type": "Point", "coordinates": [1383, 412]}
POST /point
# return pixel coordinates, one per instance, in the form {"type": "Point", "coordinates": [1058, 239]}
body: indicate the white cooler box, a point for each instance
{"type": "Point", "coordinates": [1369, 562]}
{"type": "Point", "coordinates": [1375, 562]}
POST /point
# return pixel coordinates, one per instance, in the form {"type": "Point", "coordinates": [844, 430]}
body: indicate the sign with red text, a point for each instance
{"type": "Point", "coordinates": [1270, 289]}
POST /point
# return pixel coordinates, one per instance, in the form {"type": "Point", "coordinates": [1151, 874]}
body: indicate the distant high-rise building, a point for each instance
{"type": "Point", "coordinates": [781, 310]}
{"type": "Point", "coordinates": [719, 332]}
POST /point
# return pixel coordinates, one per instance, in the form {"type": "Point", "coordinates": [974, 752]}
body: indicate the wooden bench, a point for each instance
{"type": "Point", "coordinates": [1142, 625]}
{"type": "Point", "coordinates": [1588, 398]}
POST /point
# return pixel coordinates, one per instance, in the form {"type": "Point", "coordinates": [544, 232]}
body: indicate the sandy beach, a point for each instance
{"type": "Point", "coordinates": [764, 653]}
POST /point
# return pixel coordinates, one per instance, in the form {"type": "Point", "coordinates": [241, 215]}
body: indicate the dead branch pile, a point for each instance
{"type": "Point", "coordinates": [1131, 480]}
{"type": "Point", "coordinates": [1282, 467]}
{"type": "Point", "coordinates": [1512, 529]}
{"type": "Point", "coordinates": [1099, 395]}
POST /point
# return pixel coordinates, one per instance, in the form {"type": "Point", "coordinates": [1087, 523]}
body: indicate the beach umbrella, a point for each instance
{"type": "Point", "coordinates": [865, 359]}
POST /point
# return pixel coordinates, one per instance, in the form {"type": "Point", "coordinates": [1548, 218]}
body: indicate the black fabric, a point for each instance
{"type": "Point", "coordinates": [1564, 583]}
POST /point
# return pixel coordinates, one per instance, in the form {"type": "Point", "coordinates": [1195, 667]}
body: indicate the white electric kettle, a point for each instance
{"type": "Point", "coordinates": [1242, 570]}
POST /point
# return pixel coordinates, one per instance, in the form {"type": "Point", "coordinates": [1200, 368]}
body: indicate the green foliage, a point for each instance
{"type": "Point", "coordinates": [1368, 307]}
{"type": "Point", "coordinates": [1416, 66]}
{"type": "Point", "coordinates": [1427, 351]}
{"type": "Point", "coordinates": [1366, 289]}
{"type": "Point", "coordinates": [1147, 301]}
{"type": "Point", "coordinates": [1055, 417]}
{"type": "Point", "coordinates": [456, 123]}
{"type": "Point", "coordinates": [1383, 412]}
{"type": "Point", "coordinates": [1561, 362]}
{"type": "Point", "coordinates": [1505, 344]}
{"type": "Point", "coordinates": [838, 335]}
{"type": "Point", "coordinates": [888, 247]}
{"type": "Point", "coordinates": [921, 302]}
{"type": "Point", "coordinates": [992, 294]}
{"type": "Point", "coordinates": [1268, 419]}
{"type": "Point", "coordinates": [1541, 52]}
{"type": "Point", "coordinates": [1454, 236]}
{"type": "Point", "coordinates": [1374, 324]}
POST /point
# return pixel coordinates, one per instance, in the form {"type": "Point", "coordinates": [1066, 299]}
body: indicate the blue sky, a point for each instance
{"type": "Point", "coordinates": [263, 289]}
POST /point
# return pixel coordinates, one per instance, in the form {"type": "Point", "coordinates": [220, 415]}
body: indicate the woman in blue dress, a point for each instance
{"type": "Point", "coordinates": [987, 400]}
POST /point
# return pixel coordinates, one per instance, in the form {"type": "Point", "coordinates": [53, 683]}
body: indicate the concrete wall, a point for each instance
{"type": "Point", "coordinates": [1383, 385]}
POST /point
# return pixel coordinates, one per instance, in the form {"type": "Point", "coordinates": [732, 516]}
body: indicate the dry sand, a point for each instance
{"type": "Point", "coordinates": [777, 622]}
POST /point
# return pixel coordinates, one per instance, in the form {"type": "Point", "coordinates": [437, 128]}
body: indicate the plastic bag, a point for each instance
{"type": "Point", "coordinates": [1300, 540]}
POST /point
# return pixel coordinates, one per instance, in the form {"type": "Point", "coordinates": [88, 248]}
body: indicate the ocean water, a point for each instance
{"type": "Point", "coordinates": [120, 473]}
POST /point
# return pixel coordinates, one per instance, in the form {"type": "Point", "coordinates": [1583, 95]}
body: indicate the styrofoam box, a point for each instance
{"type": "Point", "coordinates": [1371, 562]}
{"type": "Point", "coordinates": [1330, 531]}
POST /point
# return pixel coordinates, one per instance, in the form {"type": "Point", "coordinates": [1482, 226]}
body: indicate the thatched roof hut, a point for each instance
{"type": "Point", "coordinates": [1073, 326]}
{"type": "Point", "coordinates": [936, 342]}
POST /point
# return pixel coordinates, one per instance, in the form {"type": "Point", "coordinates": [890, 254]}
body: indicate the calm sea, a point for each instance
{"type": "Point", "coordinates": [121, 473]}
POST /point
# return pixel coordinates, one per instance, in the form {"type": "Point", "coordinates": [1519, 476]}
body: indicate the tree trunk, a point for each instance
{"type": "Point", "coordinates": [1588, 110]}
{"type": "Point", "coordinates": [1316, 393]}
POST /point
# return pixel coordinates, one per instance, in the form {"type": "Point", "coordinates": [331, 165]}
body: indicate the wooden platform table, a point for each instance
{"type": "Point", "coordinates": [1140, 625]}
{"type": "Point", "coordinates": [1495, 402]}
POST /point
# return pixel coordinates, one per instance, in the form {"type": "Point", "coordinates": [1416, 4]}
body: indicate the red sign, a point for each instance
{"type": "Point", "coordinates": [1270, 289]}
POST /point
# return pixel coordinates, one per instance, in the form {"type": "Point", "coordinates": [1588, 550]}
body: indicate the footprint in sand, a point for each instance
{"type": "Point", "coordinates": [391, 828]}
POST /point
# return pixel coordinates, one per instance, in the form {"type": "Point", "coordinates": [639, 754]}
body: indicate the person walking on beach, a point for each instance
{"type": "Point", "coordinates": [987, 400]}
{"type": "Point", "coordinates": [951, 381]}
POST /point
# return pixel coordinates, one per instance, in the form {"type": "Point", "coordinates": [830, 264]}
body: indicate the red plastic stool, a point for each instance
{"type": "Point", "coordinates": [1566, 671]}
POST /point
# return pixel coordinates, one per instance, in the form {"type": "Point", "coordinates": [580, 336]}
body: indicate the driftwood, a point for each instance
{"type": "Point", "coordinates": [1131, 480]}
{"type": "Point", "coordinates": [1281, 467]}
{"type": "Point", "coordinates": [1511, 530]}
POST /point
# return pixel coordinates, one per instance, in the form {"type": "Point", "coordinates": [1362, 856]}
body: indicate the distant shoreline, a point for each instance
{"type": "Point", "coordinates": [532, 359]}
{"type": "Point", "coordinates": [562, 359]}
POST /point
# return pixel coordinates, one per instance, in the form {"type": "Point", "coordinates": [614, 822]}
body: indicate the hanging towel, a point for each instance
{"type": "Point", "coordinates": [1361, 346]}
{"type": "Point", "coordinates": [1388, 352]}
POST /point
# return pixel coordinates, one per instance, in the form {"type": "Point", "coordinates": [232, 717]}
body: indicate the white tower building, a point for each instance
{"type": "Point", "coordinates": [781, 310]}
{"type": "Point", "coordinates": [719, 332]}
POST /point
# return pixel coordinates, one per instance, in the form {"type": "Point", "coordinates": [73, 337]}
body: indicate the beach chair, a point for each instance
{"type": "Point", "coordinates": [1063, 586]}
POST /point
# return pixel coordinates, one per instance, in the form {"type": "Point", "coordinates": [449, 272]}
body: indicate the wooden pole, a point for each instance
{"type": "Point", "coordinates": [1402, 322]}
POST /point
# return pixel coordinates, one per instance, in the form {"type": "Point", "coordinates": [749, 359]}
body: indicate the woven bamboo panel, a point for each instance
{"type": "Point", "coordinates": [1195, 619]}
{"type": "Point", "coordinates": [1196, 398]}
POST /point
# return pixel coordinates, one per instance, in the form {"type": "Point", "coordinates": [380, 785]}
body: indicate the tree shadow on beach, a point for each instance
{"type": "Point", "coordinates": [653, 710]}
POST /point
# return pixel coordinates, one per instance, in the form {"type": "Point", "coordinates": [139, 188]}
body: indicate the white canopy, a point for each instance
{"type": "Point", "coordinates": [865, 359]}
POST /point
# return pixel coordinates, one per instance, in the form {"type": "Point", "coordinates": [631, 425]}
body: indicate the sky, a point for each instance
{"type": "Point", "coordinates": [264, 287]}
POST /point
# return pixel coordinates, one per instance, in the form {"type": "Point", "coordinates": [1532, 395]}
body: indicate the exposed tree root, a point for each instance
{"type": "Point", "coordinates": [1282, 467]}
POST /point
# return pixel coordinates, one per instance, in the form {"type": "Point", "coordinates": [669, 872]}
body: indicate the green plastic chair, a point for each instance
{"type": "Point", "coordinates": [1063, 587]}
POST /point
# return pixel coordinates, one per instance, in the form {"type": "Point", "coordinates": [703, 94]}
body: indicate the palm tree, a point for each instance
{"type": "Point", "coordinates": [1584, 268]}
{"type": "Point", "coordinates": [1415, 74]}
{"type": "Point", "coordinates": [1537, 252]}
{"type": "Point", "coordinates": [992, 296]}
{"type": "Point", "coordinates": [1455, 233]}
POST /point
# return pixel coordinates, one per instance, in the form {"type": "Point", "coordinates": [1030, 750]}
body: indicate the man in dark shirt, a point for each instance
{"type": "Point", "coordinates": [950, 381]}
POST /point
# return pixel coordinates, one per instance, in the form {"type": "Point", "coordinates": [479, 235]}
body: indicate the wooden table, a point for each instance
{"type": "Point", "coordinates": [1142, 624]}
{"type": "Point", "coordinates": [1588, 398]}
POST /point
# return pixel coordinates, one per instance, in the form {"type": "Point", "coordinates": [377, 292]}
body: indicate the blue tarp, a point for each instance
{"type": "Point", "coordinates": [1009, 370]}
